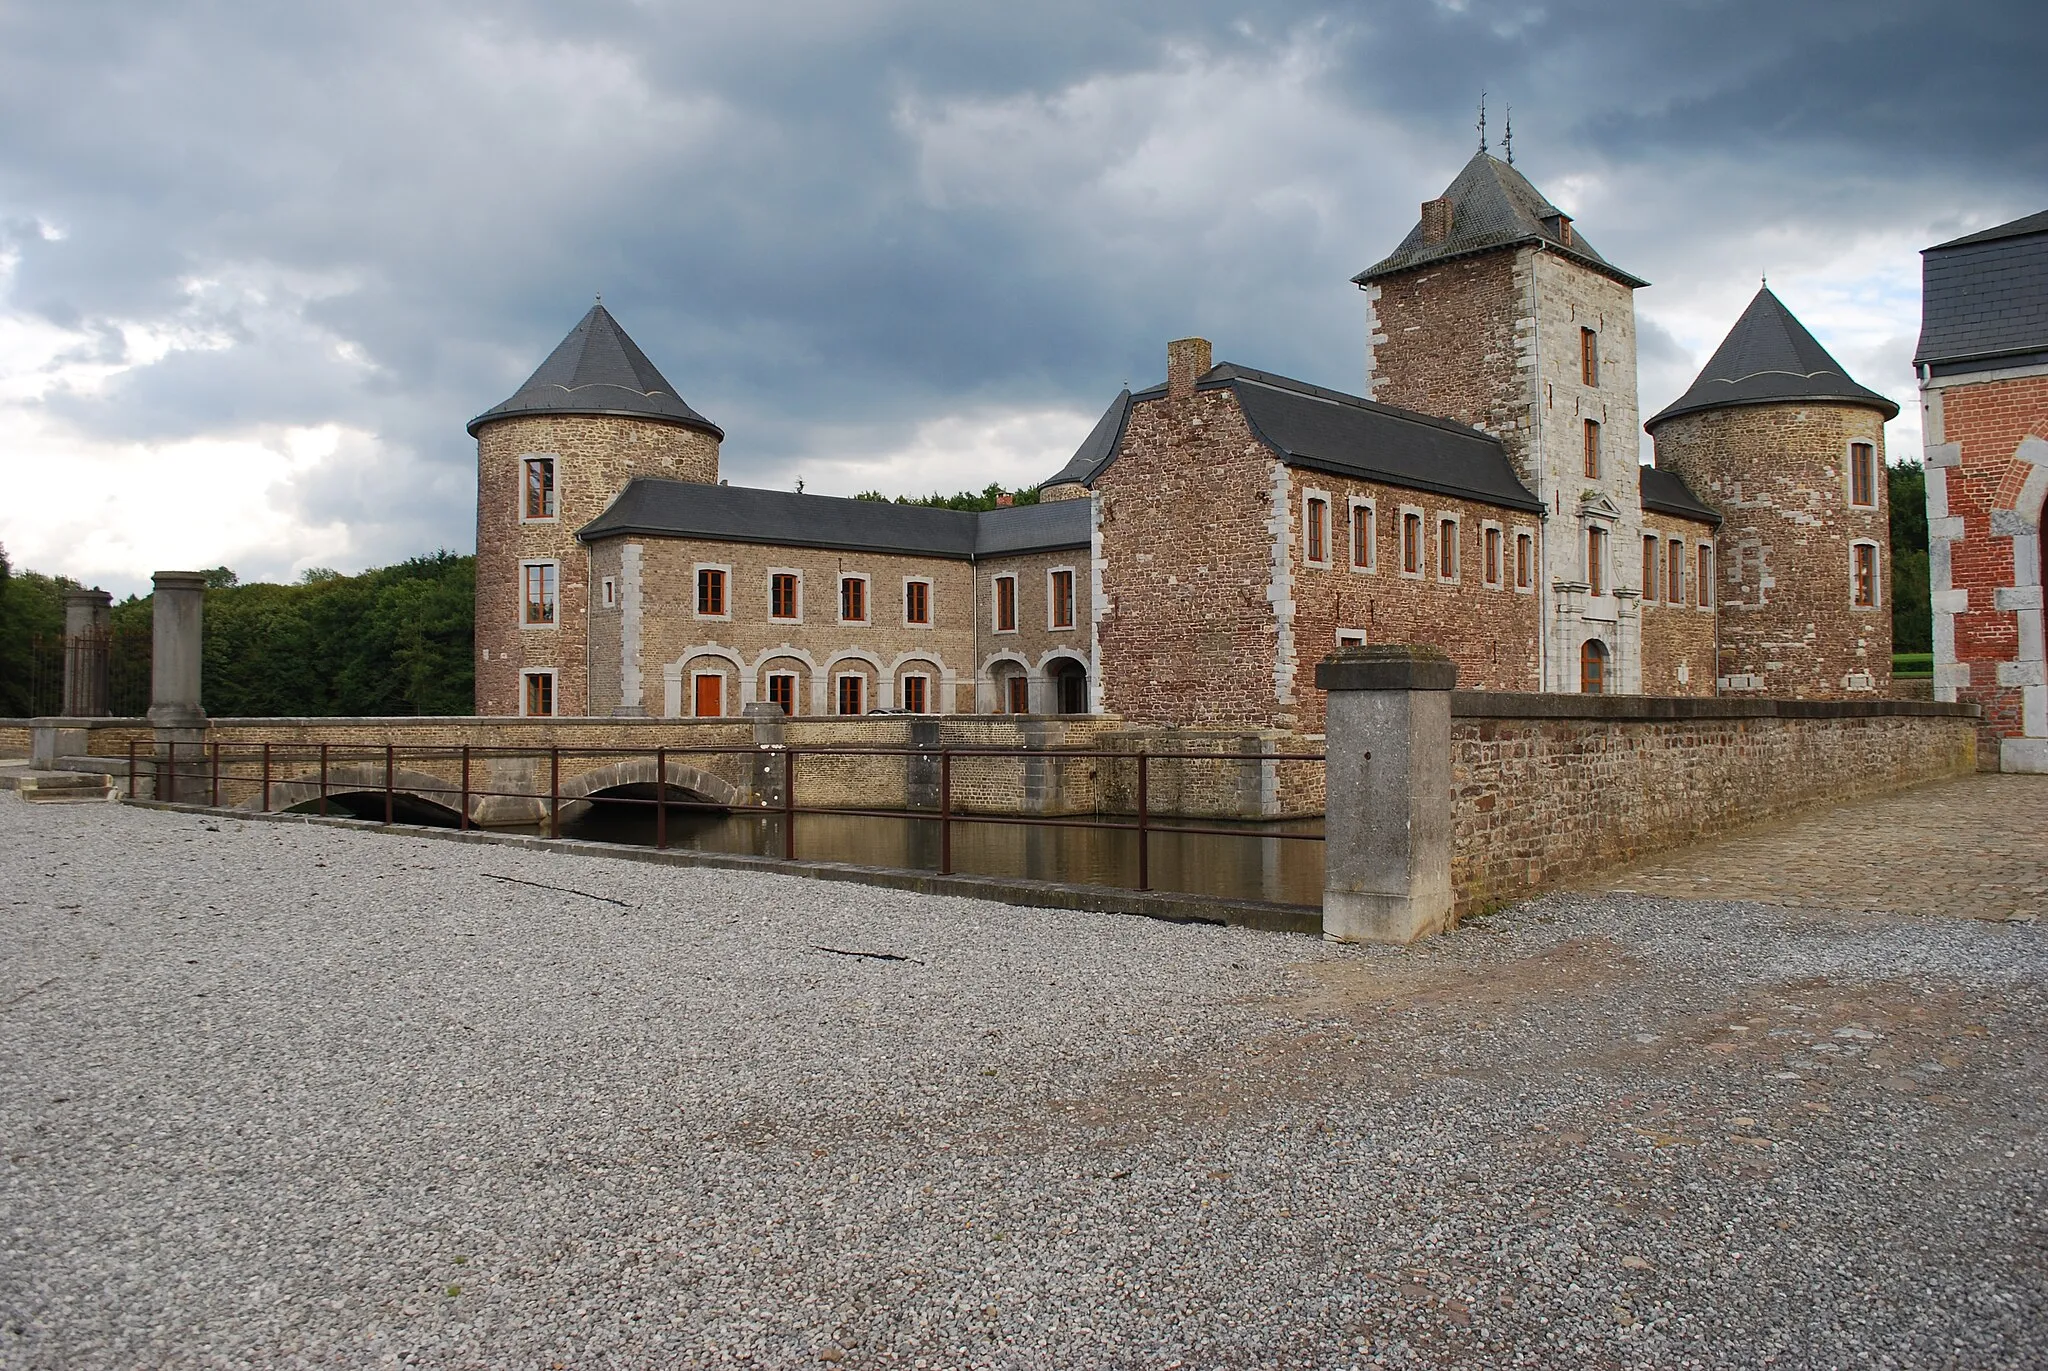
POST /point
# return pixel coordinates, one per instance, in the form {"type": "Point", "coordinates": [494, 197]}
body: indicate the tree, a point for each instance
{"type": "Point", "coordinates": [1912, 605]}
{"type": "Point", "coordinates": [989, 497]}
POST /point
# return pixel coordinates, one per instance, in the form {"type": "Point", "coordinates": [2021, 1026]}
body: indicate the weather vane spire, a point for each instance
{"type": "Point", "coordinates": [1482, 121]}
{"type": "Point", "coordinates": [1507, 137]}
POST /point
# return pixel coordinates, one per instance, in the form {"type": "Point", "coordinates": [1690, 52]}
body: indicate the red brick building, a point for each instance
{"type": "Point", "coordinates": [1983, 364]}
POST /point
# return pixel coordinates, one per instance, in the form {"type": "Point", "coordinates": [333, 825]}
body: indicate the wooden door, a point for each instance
{"type": "Point", "coordinates": [710, 697]}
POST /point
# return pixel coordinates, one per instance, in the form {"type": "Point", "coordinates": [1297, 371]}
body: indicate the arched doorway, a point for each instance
{"type": "Point", "coordinates": [1069, 685]}
{"type": "Point", "coordinates": [1593, 668]}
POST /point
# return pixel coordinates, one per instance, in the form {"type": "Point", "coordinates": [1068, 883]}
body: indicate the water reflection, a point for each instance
{"type": "Point", "coordinates": [1247, 865]}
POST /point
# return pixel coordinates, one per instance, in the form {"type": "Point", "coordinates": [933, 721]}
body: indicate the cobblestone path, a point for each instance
{"type": "Point", "coordinates": [1976, 848]}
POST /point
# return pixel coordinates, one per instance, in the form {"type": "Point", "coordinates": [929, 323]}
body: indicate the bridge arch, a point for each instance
{"type": "Point", "coordinates": [345, 779]}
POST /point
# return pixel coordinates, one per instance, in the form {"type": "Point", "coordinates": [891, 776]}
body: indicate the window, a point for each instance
{"type": "Point", "coordinates": [538, 700]}
{"type": "Point", "coordinates": [1491, 540]}
{"type": "Point", "coordinates": [1650, 566]}
{"type": "Point", "coordinates": [1589, 357]}
{"type": "Point", "coordinates": [1017, 690]}
{"type": "Point", "coordinates": [852, 694]}
{"type": "Point", "coordinates": [782, 690]}
{"type": "Point", "coordinates": [708, 690]}
{"type": "Point", "coordinates": [1006, 604]}
{"type": "Point", "coordinates": [608, 592]}
{"type": "Point", "coordinates": [1525, 561]}
{"type": "Point", "coordinates": [1593, 668]}
{"type": "Point", "coordinates": [1863, 475]}
{"type": "Point", "coordinates": [785, 595]}
{"type": "Point", "coordinates": [1411, 543]}
{"type": "Point", "coordinates": [1863, 575]}
{"type": "Point", "coordinates": [1060, 590]}
{"type": "Point", "coordinates": [540, 489]}
{"type": "Point", "coordinates": [917, 694]}
{"type": "Point", "coordinates": [711, 592]}
{"type": "Point", "coordinates": [853, 599]}
{"type": "Point", "coordinates": [1316, 529]}
{"type": "Point", "coordinates": [1362, 549]}
{"type": "Point", "coordinates": [1447, 549]}
{"type": "Point", "coordinates": [1705, 580]}
{"type": "Point", "coordinates": [539, 578]}
{"type": "Point", "coordinates": [917, 602]}
{"type": "Point", "coordinates": [1596, 560]}
{"type": "Point", "coordinates": [1350, 637]}
{"type": "Point", "coordinates": [1674, 572]}
{"type": "Point", "coordinates": [1593, 449]}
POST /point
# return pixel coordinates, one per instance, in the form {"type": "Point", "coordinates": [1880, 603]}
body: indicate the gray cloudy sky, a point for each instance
{"type": "Point", "coordinates": [259, 263]}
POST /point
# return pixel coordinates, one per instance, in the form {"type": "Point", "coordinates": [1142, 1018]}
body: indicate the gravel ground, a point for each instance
{"type": "Point", "coordinates": [287, 1095]}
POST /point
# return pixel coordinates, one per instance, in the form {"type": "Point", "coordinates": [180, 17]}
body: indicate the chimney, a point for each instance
{"type": "Point", "coordinates": [1436, 219]}
{"type": "Point", "coordinates": [1005, 501]}
{"type": "Point", "coordinates": [1186, 360]}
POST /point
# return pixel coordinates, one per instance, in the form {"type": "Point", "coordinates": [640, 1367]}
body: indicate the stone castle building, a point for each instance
{"type": "Point", "coordinates": [1217, 535]}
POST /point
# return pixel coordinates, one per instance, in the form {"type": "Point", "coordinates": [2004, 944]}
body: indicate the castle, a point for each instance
{"type": "Point", "coordinates": [1217, 535]}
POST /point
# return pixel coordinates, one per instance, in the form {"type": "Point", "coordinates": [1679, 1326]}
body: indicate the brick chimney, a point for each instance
{"type": "Point", "coordinates": [1186, 360]}
{"type": "Point", "coordinates": [1436, 220]}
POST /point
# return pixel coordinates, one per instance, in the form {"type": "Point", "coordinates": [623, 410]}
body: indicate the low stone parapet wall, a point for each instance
{"type": "Point", "coordinates": [1547, 787]}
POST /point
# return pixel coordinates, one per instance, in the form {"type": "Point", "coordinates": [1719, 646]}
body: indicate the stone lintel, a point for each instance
{"type": "Point", "coordinates": [1387, 666]}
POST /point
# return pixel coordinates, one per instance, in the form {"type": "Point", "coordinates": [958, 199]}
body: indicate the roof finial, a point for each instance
{"type": "Point", "coordinates": [600, 297]}
{"type": "Point", "coordinates": [1482, 121]}
{"type": "Point", "coordinates": [1507, 138]}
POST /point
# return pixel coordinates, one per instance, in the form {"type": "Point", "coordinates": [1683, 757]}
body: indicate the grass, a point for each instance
{"type": "Point", "coordinates": [1911, 664]}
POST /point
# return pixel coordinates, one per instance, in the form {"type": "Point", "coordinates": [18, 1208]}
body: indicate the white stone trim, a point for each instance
{"type": "Point", "coordinates": [1877, 575]}
{"type": "Point", "coordinates": [1280, 586]}
{"type": "Point", "coordinates": [554, 675]}
{"type": "Point", "coordinates": [554, 565]}
{"type": "Point", "coordinates": [672, 676]}
{"type": "Point", "coordinates": [772, 573]}
{"type": "Point", "coordinates": [1456, 545]}
{"type": "Point", "coordinates": [519, 499]}
{"type": "Point", "coordinates": [1535, 567]}
{"type": "Point", "coordinates": [1371, 565]}
{"type": "Point", "coordinates": [718, 676]}
{"type": "Point", "coordinates": [697, 570]}
{"type": "Point", "coordinates": [1877, 476]}
{"type": "Point", "coordinates": [930, 597]}
{"type": "Point", "coordinates": [1421, 545]}
{"type": "Point", "coordinates": [1073, 600]}
{"type": "Point", "coordinates": [995, 602]}
{"type": "Point", "coordinates": [1310, 495]}
{"type": "Point", "coordinates": [867, 599]}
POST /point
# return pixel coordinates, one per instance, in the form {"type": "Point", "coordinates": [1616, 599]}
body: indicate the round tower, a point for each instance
{"type": "Point", "coordinates": [549, 460]}
{"type": "Point", "coordinates": [1776, 436]}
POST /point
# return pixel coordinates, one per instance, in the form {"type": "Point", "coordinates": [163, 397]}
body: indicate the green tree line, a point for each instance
{"type": "Point", "coordinates": [1912, 607]}
{"type": "Point", "coordinates": [392, 640]}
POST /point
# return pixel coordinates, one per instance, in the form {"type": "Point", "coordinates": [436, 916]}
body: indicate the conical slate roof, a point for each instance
{"type": "Point", "coordinates": [1494, 206]}
{"type": "Point", "coordinates": [1769, 358]}
{"type": "Point", "coordinates": [597, 369]}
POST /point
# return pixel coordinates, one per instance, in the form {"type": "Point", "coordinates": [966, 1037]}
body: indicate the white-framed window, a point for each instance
{"type": "Point", "coordinates": [850, 693]}
{"type": "Point", "coordinates": [785, 595]}
{"type": "Point", "coordinates": [1703, 578]}
{"type": "Point", "coordinates": [608, 592]}
{"type": "Point", "coordinates": [916, 692]}
{"type": "Point", "coordinates": [782, 690]}
{"type": "Point", "coordinates": [1414, 556]}
{"type": "Point", "coordinates": [1002, 603]}
{"type": "Point", "coordinates": [1863, 475]}
{"type": "Point", "coordinates": [1363, 524]}
{"type": "Point", "coordinates": [1865, 584]}
{"type": "Point", "coordinates": [537, 694]}
{"type": "Point", "coordinates": [1059, 597]}
{"type": "Point", "coordinates": [714, 590]}
{"type": "Point", "coordinates": [1350, 637]}
{"type": "Point", "coordinates": [1652, 566]}
{"type": "Point", "coordinates": [1525, 561]}
{"type": "Point", "coordinates": [1598, 540]}
{"type": "Point", "coordinates": [1447, 548]}
{"type": "Point", "coordinates": [1315, 527]}
{"type": "Point", "coordinates": [917, 601]}
{"type": "Point", "coordinates": [853, 598]}
{"type": "Point", "coordinates": [1592, 438]}
{"type": "Point", "coordinates": [1493, 553]}
{"type": "Point", "coordinates": [707, 694]}
{"type": "Point", "coordinates": [539, 587]}
{"type": "Point", "coordinates": [537, 498]}
{"type": "Point", "coordinates": [1674, 571]}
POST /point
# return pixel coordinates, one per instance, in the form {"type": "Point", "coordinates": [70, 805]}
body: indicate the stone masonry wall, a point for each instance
{"type": "Point", "coordinates": [1779, 475]}
{"type": "Point", "coordinates": [1537, 800]}
{"type": "Point", "coordinates": [594, 459]}
{"type": "Point", "coordinates": [1678, 633]}
{"type": "Point", "coordinates": [1452, 346]}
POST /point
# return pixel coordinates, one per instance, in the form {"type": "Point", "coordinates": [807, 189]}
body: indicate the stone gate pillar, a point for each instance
{"type": "Point", "coordinates": [88, 618]}
{"type": "Point", "coordinates": [1387, 824]}
{"type": "Point", "coordinates": [174, 676]}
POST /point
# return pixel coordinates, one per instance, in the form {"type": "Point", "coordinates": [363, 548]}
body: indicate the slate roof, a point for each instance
{"type": "Point", "coordinates": [661, 508]}
{"type": "Point", "coordinates": [1326, 430]}
{"type": "Point", "coordinates": [1664, 493]}
{"type": "Point", "coordinates": [1098, 447]}
{"type": "Point", "coordinates": [597, 369]}
{"type": "Point", "coordinates": [1493, 206]}
{"type": "Point", "coordinates": [1985, 296]}
{"type": "Point", "coordinates": [1769, 358]}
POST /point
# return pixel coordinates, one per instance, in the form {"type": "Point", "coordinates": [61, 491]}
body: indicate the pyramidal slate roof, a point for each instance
{"type": "Point", "coordinates": [1984, 299]}
{"type": "Point", "coordinates": [1769, 358]}
{"type": "Point", "coordinates": [597, 369]}
{"type": "Point", "coordinates": [1494, 206]}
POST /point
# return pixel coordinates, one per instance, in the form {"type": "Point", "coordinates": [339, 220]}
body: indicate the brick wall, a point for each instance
{"type": "Point", "coordinates": [1678, 633]}
{"type": "Point", "coordinates": [1545, 788]}
{"type": "Point", "coordinates": [1453, 346]}
{"type": "Point", "coordinates": [595, 457]}
{"type": "Point", "coordinates": [1779, 476]}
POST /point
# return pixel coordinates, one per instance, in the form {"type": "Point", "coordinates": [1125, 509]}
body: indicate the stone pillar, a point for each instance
{"type": "Point", "coordinates": [88, 619]}
{"type": "Point", "coordinates": [174, 674]}
{"type": "Point", "coordinates": [1387, 824]}
{"type": "Point", "coordinates": [769, 742]}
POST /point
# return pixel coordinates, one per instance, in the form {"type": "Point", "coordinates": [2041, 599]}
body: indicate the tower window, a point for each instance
{"type": "Point", "coordinates": [1704, 578]}
{"type": "Point", "coordinates": [1316, 531]}
{"type": "Point", "coordinates": [853, 599]}
{"type": "Point", "coordinates": [1650, 565]}
{"type": "Point", "coordinates": [917, 602]}
{"type": "Point", "coordinates": [711, 592]}
{"type": "Point", "coordinates": [1411, 543]}
{"type": "Point", "coordinates": [1863, 575]}
{"type": "Point", "coordinates": [1593, 449]}
{"type": "Point", "coordinates": [785, 595]}
{"type": "Point", "coordinates": [1674, 569]}
{"type": "Point", "coordinates": [1593, 667]}
{"type": "Point", "coordinates": [538, 698]}
{"type": "Point", "coordinates": [1596, 560]}
{"type": "Point", "coordinates": [1006, 604]}
{"type": "Point", "coordinates": [540, 488]}
{"type": "Point", "coordinates": [1060, 597]}
{"type": "Point", "coordinates": [1447, 549]}
{"type": "Point", "coordinates": [538, 597]}
{"type": "Point", "coordinates": [1525, 562]}
{"type": "Point", "coordinates": [1589, 357]}
{"type": "Point", "coordinates": [1863, 475]}
{"type": "Point", "coordinates": [1491, 540]}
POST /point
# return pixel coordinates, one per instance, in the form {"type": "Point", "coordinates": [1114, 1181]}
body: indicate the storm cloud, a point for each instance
{"type": "Point", "coordinates": [259, 264]}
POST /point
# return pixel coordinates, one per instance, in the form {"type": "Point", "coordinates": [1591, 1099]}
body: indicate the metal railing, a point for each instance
{"type": "Point", "coordinates": [172, 767]}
